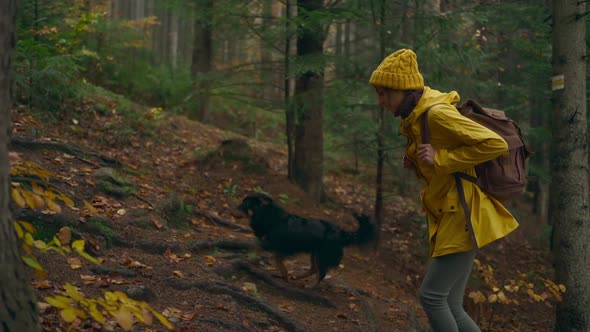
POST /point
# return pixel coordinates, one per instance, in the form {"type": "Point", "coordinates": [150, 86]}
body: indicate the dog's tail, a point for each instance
{"type": "Point", "coordinates": [364, 234]}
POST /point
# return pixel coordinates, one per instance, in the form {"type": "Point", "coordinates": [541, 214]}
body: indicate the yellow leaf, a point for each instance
{"type": "Point", "coordinates": [19, 230]}
{"type": "Point", "coordinates": [88, 257]}
{"type": "Point", "coordinates": [493, 298]}
{"type": "Point", "coordinates": [32, 262]}
{"type": "Point", "coordinates": [90, 208]}
{"type": "Point", "coordinates": [53, 206]}
{"type": "Point", "coordinates": [36, 189]}
{"type": "Point", "coordinates": [78, 245]}
{"type": "Point", "coordinates": [122, 297]}
{"type": "Point", "coordinates": [73, 292]}
{"type": "Point", "coordinates": [96, 314]}
{"type": "Point", "coordinates": [29, 239]}
{"type": "Point", "coordinates": [562, 288]}
{"type": "Point", "coordinates": [59, 301]}
{"type": "Point", "coordinates": [27, 226]}
{"type": "Point", "coordinates": [39, 201]}
{"type": "Point", "coordinates": [67, 201]}
{"type": "Point", "coordinates": [477, 297]}
{"type": "Point", "coordinates": [29, 198]}
{"type": "Point", "coordinates": [146, 317]}
{"type": "Point", "coordinates": [502, 297]}
{"type": "Point", "coordinates": [40, 245]}
{"type": "Point", "coordinates": [110, 297]}
{"type": "Point", "coordinates": [18, 198]}
{"type": "Point", "coordinates": [162, 319]}
{"type": "Point", "coordinates": [69, 314]}
{"type": "Point", "coordinates": [124, 318]}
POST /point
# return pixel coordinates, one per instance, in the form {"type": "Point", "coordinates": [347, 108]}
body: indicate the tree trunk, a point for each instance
{"type": "Point", "coordinates": [266, 94]}
{"type": "Point", "coordinates": [202, 58]}
{"type": "Point", "coordinates": [288, 93]}
{"type": "Point", "coordinates": [309, 140]}
{"type": "Point", "coordinates": [381, 134]}
{"type": "Point", "coordinates": [569, 205]}
{"type": "Point", "coordinates": [18, 308]}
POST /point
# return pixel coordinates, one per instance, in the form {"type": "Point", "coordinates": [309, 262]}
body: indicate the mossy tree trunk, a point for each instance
{"type": "Point", "coordinates": [569, 201]}
{"type": "Point", "coordinates": [309, 140]}
{"type": "Point", "coordinates": [18, 308]}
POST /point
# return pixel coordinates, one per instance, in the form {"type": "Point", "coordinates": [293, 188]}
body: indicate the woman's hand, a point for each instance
{"type": "Point", "coordinates": [426, 154]}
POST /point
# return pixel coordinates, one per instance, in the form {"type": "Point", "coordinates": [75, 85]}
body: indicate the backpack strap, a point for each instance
{"type": "Point", "coordinates": [468, 225]}
{"type": "Point", "coordinates": [424, 131]}
{"type": "Point", "coordinates": [425, 135]}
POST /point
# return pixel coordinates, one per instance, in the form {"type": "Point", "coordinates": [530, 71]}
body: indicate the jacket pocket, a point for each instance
{"type": "Point", "coordinates": [450, 204]}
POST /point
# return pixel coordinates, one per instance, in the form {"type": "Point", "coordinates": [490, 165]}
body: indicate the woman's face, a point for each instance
{"type": "Point", "coordinates": [390, 99]}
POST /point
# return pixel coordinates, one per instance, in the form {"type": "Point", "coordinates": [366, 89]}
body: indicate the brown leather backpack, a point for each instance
{"type": "Point", "coordinates": [504, 177]}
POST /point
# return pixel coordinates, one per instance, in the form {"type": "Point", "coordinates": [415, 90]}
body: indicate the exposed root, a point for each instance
{"type": "Point", "coordinates": [293, 292]}
{"type": "Point", "coordinates": [69, 149]}
{"type": "Point", "coordinates": [152, 247]}
{"type": "Point", "coordinates": [243, 298]}
{"type": "Point", "coordinates": [235, 244]}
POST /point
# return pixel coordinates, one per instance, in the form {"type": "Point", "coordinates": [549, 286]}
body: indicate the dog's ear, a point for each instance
{"type": "Point", "coordinates": [265, 200]}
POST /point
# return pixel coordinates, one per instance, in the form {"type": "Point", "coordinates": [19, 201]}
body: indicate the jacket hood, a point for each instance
{"type": "Point", "coordinates": [431, 97]}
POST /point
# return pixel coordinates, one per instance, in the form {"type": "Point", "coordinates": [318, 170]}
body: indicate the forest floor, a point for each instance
{"type": "Point", "coordinates": [179, 243]}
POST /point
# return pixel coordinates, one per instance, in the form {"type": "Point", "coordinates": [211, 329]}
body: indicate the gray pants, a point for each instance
{"type": "Point", "coordinates": [442, 290]}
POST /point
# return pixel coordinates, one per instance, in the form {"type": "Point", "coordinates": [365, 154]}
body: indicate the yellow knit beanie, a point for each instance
{"type": "Point", "coordinates": [398, 71]}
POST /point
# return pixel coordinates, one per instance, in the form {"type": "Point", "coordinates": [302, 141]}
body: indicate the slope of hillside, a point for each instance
{"type": "Point", "coordinates": [161, 194]}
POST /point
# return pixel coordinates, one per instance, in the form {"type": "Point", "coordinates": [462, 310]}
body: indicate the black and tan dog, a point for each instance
{"type": "Point", "coordinates": [285, 234]}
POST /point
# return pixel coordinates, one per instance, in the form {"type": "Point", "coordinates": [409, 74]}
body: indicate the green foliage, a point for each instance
{"type": "Point", "coordinates": [103, 228]}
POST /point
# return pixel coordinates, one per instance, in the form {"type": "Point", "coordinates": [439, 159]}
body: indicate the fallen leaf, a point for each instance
{"type": "Point", "coordinates": [250, 288]}
{"type": "Point", "coordinates": [41, 284]}
{"type": "Point", "coordinates": [75, 262]}
{"type": "Point", "coordinates": [64, 235]}
{"type": "Point", "coordinates": [286, 307]}
{"type": "Point", "coordinates": [42, 306]}
{"type": "Point", "coordinates": [179, 274]}
{"type": "Point", "coordinates": [210, 260]}
{"type": "Point", "coordinates": [124, 318]}
{"type": "Point", "coordinates": [157, 223]}
{"type": "Point", "coordinates": [189, 315]}
{"type": "Point", "coordinates": [172, 312]}
{"type": "Point", "coordinates": [53, 206]}
{"type": "Point", "coordinates": [342, 315]}
{"type": "Point", "coordinates": [90, 209]}
{"type": "Point", "coordinates": [131, 263]}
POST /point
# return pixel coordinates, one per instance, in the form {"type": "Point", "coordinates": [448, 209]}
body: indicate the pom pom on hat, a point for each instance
{"type": "Point", "coordinates": [398, 71]}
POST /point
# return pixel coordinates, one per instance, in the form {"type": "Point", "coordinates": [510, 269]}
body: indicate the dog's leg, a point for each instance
{"type": "Point", "coordinates": [281, 267]}
{"type": "Point", "coordinates": [320, 275]}
{"type": "Point", "coordinates": [313, 267]}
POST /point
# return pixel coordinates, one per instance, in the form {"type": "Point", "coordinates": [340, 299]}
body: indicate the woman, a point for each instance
{"type": "Point", "coordinates": [456, 144]}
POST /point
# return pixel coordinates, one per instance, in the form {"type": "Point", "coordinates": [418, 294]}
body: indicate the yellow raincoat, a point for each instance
{"type": "Point", "coordinates": [460, 144]}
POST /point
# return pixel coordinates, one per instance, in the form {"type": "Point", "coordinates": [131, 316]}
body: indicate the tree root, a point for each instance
{"type": "Point", "coordinates": [222, 222]}
{"type": "Point", "coordinates": [152, 247]}
{"type": "Point", "coordinates": [235, 244]}
{"type": "Point", "coordinates": [366, 306]}
{"type": "Point", "coordinates": [243, 298]}
{"type": "Point", "coordinates": [69, 149]}
{"type": "Point", "coordinates": [293, 292]}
